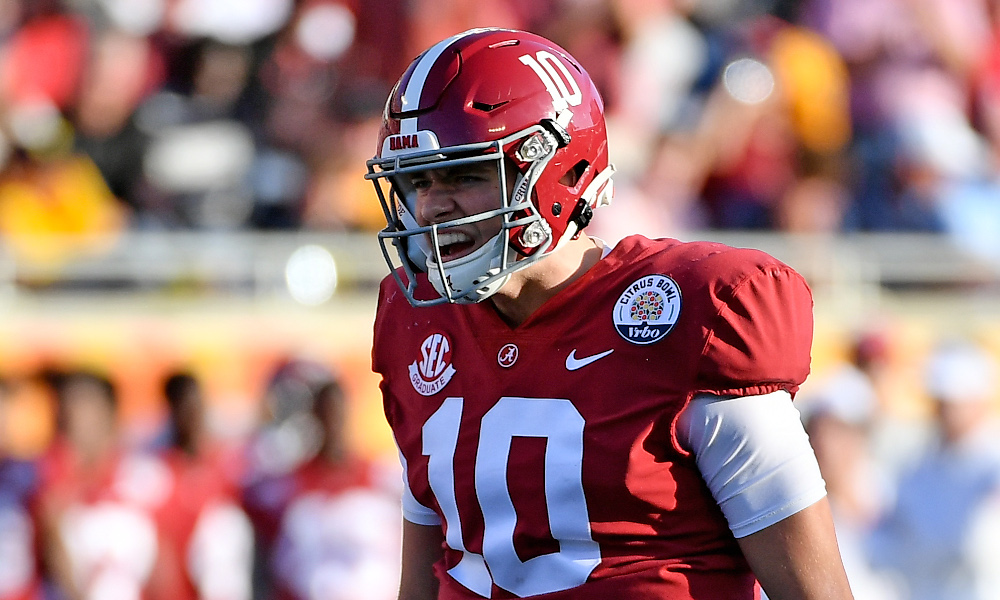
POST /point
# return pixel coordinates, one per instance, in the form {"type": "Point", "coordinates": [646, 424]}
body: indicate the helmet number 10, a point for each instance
{"type": "Point", "coordinates": [556, 78]}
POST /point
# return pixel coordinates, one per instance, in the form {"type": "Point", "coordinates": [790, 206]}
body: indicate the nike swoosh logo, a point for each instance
{"type": "Point", "coordinates": [573, 363]}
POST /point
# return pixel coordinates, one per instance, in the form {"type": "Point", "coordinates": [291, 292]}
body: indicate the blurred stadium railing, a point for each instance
{"type": "Point", "coordinates": [859, 268]}
{"type": "Point", "coordinates": [232, 306]}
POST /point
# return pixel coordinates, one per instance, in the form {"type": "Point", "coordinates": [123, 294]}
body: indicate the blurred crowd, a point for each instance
{"type": "Point", "coordinates": [800, 116]}
{"type": "Point", "coordinates": [290, 512]}
{"type": "Point", "coordinates": [815, 116]}
{"type": "Point", "coordinates": [915, 494]}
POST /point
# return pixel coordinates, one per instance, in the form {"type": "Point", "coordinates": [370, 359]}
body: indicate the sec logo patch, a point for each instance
{"type": "Point", "coordinates": [433, 370]}
{"type": "Point", "coordinates": [648, 309]}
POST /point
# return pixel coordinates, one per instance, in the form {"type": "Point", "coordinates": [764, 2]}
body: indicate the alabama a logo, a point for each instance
{"type": "Point", "coordinates": [433, 370]}
{"type": "Point", "coordinates": [507, 355]}
{"type": "Point", "coordinates": [648, 309]}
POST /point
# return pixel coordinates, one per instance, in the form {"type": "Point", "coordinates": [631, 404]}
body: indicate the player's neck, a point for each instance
{"type": "Point", "coordinates": [531, 287]}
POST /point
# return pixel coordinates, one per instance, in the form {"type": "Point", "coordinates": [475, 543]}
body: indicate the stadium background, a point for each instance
{"type": "Point", "coordinates": [181, 188]}
{"type": "Point", "coordinates": [236, 341]}
{"type": "Point", "coordinates": [181, 181]}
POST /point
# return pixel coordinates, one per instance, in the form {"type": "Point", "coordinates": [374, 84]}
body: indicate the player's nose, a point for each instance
{"type": "Point", "coordinates": [436, 203]}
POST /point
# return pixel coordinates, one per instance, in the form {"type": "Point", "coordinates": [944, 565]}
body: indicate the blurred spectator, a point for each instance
{"type": "Point", "coordinates": [288, 434]}
{"type": "Point", "coordinates": [649, 59]}
{"type": "Point", "coordinates": [286, 437]}
{"type": "Point", "coordinates": [327, 76]}
{"type": "Point", "coordinates": [909, 61]}
{"type": "Point", "coordinates": [19, 575]}
{"type": "Point", "coordinates": [898, 430]}
{"type": "Point", "coordinates": [205, 538]}
{"type": "Point", "coordinates": [201, 151]}
{"type": "Point", "coordinates": [98, 539]}
{"type": "Point", "coordinates": [662, 56]}
{"type": "Point", "coordinates": [941, 536]}
{"type": "Point", "coordinates": [777, 159]}
{"type": "Point", "coordinates": [839, 413]}
{"type": "Point", "coordinates": [54, 204]}
{"type": "Point", "coordinates": [223, 114]}
{"type": "Point", "coordinates": [122, 70]}
{"type": "Point", "coordinates": [338, 196]}
{"type": "Point", "coordinates": [328, 529]}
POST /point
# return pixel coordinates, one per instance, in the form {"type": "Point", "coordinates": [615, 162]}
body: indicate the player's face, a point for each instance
{"type": "Point", "coordinates": [451, 193]}
{"type": "Point", "coordinates": [89, 418]}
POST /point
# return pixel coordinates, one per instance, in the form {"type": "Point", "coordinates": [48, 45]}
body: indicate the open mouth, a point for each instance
{"type": "Point", "coordinates": [454, 244]}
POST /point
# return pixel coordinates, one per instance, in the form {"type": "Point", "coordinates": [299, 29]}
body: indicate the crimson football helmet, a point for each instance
{"type": "Point", "coordinates": [510, 97]}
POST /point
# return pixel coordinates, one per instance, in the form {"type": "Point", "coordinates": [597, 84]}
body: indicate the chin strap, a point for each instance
{"type": "Point", "coordinates": [597, 193]}
{"type": "Point", "coordinates": [472, 278]}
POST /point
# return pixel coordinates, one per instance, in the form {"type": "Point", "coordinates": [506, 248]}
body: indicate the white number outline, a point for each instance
{"type": "Point", "coordinates": [555, 76]}
{"type": "Point", "coordinates": [561, 425]}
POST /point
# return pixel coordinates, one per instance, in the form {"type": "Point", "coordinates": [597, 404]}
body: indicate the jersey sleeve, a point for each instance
{"type": "Point", "coordinates": [386, 297]}
{"type": "Point", "coordinates": [761, 337]}
{"type": "Point", "coordinates": [755, 457]}
{"type": "Point", "coordinates": [385, 329]}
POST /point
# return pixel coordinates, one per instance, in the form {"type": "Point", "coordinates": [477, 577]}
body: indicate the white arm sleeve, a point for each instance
{"type": "Point", "coordinates": [413, 510]}
{"type": "Point", "coordinates": [754, 455]}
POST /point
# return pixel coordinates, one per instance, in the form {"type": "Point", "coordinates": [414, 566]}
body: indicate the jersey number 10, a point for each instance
{"type": "Point", "coordinates": [559, 422]}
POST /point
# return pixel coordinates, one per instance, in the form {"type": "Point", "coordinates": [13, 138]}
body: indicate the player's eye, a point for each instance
{"type": "Point", "coordinates": [469, 178]}
{"type": "Point", "coordinates": [420, 183]}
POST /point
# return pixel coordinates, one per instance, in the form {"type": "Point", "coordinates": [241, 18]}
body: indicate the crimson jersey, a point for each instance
{"type": "Point", "coordinates": [549, 451]}
{"type": "Point", "coordinates": [331, 531]}
{"type": "Point", "coordinates": [194, 518]}
{"type": "Point", "coordinates": [101, 514]}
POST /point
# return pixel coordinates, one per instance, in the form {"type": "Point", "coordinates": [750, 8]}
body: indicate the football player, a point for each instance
{"type": "Point", "coordinates": [578, 421]}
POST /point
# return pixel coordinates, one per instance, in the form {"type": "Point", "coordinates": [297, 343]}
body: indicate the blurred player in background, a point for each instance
{"type": "Point", "coordinates": [839, 416]}
{"type": "Point", "coordinates": [19, 575]}
{"type": "Point", "coordinates": [95, 501]}
{"type": "Point", "coordinates": [205, 538]}
{"type": "Point", "coordinates": [574, 420]}
{"type": "Point", "coordinates": [328, 529]}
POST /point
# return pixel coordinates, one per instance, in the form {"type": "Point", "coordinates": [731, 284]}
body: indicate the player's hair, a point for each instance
{"type": "Point", "coordinates": [331, 392]}
{"type": "Point", "coordinates": [177, 385]}
{"type": "Point", "coordinates": [88, 377]}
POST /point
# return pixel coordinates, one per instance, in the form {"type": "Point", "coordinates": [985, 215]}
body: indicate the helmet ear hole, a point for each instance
{"type": "Point", "coordinates": [571, 177]}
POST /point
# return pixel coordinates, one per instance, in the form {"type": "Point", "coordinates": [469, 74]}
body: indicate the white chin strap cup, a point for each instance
{"type": "Point", "coordinates": [462, 280]}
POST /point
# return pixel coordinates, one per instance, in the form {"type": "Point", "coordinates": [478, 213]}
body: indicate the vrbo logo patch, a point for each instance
{"type": "Point", "coordinates": [648, 309]}
{"type": "Point", "coordinates": [637, 334]}
{"type": "Point", "coordinates": [433, 369]}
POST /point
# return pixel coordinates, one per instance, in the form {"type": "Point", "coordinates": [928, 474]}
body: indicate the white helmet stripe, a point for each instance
{"type": "Point", "coordinates": [415, 86]}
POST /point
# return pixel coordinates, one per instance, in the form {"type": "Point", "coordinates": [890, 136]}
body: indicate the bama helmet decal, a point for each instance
{"type": "Point", "coordinates": [648, 309]}
{"type": "Point", "coordinates": [433, 370]}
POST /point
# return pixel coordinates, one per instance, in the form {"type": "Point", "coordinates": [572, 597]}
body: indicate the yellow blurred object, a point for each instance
{"type": "Point", "coordinates": [815, 82]}
{"type": "Point", "coordinates": [55, 210]}
{"type": "Point", "coordinates": [340, 197]}
{"type": "Point", "coordinates": [28, 420]}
